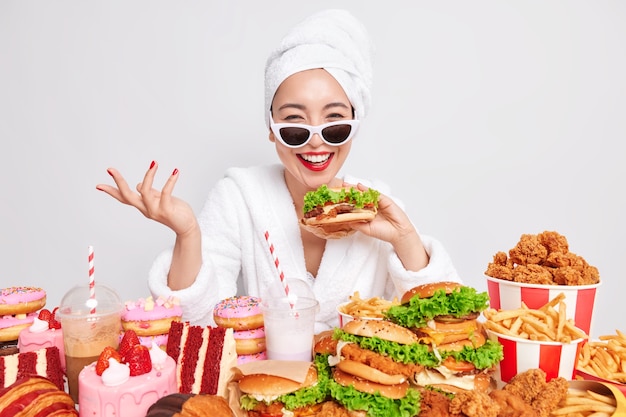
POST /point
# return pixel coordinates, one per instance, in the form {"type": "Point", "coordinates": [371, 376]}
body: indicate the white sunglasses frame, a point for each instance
{"type": "Point", "coordinates": [354, 124]}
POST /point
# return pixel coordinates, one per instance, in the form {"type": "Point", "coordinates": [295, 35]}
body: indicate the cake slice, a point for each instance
{"type": "Point", "coordinates": [205, 357]}
{"type": "Point", "coordinates": [44, 362]}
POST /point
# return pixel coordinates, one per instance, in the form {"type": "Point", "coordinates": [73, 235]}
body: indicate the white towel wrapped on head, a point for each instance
{"type": "Point", "coordinates": [334, 40]}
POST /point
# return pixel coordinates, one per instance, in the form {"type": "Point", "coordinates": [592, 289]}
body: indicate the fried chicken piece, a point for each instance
{"type": "Point", "coordinates": [474, 404]}
{"type": "Point", "coordinates": [511, 404]}
{"type": "Point", "coordinates": [542, 396]}
{"type": "Point", "coordinates": [549, 398]}
{"type": "Point", "coordinates": [554, 242]}
{"type": "Point", "coordinates": [435, 404]}
{"type": "Point", "coordinates": [527, 385]}
{"type": "Point", "coordinates": [590, 275]}
{"type": "Point", "coordinates": [501, 267]}
{"type": "Point", "coordinates": [383, 363]}
{"type": "Point", "coordinates": [333, 409]}
{"type": "Point", "coordinates": [532, 274]}
{"type": "Point", "coordinates": [499, 271]}
{"type": "Point", "coordinates": [567, 275]}
{"type": "Point", "coordinates": [528, 251]}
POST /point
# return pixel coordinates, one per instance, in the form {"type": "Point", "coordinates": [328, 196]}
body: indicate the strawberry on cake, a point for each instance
{"type": "Point", "coordinates": [127, 381]}
{"type": "Point", "coordinates": [45, 331]}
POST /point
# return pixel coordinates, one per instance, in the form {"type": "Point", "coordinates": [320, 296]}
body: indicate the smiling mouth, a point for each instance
{"type": "Point", "coordinates": [315, 159]}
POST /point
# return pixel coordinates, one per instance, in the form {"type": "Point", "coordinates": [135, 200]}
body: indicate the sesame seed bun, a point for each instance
{"type": "Point", "coordinates": [428, 290]}
{"type": "Point", "coordinates": [382, 329]}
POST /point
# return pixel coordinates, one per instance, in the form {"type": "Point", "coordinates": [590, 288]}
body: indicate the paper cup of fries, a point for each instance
{"type": "Point", "coordinates": [587, 398]}
{"type": "Point", "coordinates": [580, 299]}
{"type": "Point", "coordinates": [536, 338]}
{"type": "Point", "coordinates": [604, 360]}
{"type": "Point", "coordinates": [556, 359]}
{"type": "Point", "coordinates": [363, 308]}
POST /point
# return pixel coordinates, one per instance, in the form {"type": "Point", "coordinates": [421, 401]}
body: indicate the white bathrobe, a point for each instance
{"type": "Point", "coordinates": [245, 204]}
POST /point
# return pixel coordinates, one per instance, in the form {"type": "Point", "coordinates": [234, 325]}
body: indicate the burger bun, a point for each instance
{"type": "Point", "coordinates": [264, 384]}
{"type": "Point", "coordinates": [428, 290]}
{"type": "Point", "coordinates": [337, 227]}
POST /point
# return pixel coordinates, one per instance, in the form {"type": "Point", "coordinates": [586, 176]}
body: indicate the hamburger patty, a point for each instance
{"type": "Point", "coordinates": [383, 363]}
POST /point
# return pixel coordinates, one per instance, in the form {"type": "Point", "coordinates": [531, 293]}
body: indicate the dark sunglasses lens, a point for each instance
{"type": "Point", "coordinates": [337, 134]}
{"type": "Point", "coordinates": [294, 136]}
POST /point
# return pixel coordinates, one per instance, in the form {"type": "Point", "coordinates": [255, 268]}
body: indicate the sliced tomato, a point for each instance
{"type": "Point", "coordinates": [457, 366]}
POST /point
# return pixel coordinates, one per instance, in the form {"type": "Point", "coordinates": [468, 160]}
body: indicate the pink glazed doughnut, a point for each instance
{"type": "Point", "coordinates": [151, 317]}
{"type": "Point", "coordinates": [251, 358]}
{"type": "Point", "coordinates": [21, 300]}
{"type": "Point", "coordinates": [250, 342]}
{"type": "Point", "coordinates": [239, 313]}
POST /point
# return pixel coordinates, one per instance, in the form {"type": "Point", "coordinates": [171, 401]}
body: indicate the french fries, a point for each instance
{"type": "Point", "coordinates": [585, 403]}
{"type": "Point", "coordinates": [374, 307]}
{"type": "Point", "coordinates": [605, 358]}
{"type": "Point", "coordinates": [547, 323]}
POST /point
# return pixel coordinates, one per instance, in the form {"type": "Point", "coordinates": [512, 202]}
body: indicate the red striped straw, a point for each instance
{"type": "Point", "coordinates": [92, 282]}
{"type": "Point", "coordinates": [281, 275]}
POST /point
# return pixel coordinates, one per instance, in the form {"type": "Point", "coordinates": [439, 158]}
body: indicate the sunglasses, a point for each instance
{"type": "Point", "coordinates": [295, 135]}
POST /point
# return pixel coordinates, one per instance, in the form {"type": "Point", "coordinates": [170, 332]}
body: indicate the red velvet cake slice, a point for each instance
{"type": "Point", "coordinates": [42, 362]}
{"type": "Point", "coordinates": [205, 356]}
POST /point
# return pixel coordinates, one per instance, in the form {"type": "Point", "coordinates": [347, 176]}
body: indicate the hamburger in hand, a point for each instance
{"type": "Point", "coordinates": [372, 362]}
{"type": "Point", "coordinates": [274, 396]}
{"type": "Point", "coordinates": [444, 316]}
{"type": "Point", "coordinates": [331, 211]}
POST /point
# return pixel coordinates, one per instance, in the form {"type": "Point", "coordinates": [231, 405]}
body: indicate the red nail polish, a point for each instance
{"type": "Point", "coordinates": [152, 164]}
{"type": "Point", "coordinates": [109, 172]}
{"type": "Point", "coordinates": [175, 171]}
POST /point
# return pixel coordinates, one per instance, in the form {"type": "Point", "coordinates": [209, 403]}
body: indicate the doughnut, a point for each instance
{"type": "Point", "coordinates": [21, 300]}
{"type": "Point", "coordinates": [11, 326]}
{"type": "Point", "coordinates": [150, 317]}
{"type": "Point", "coordinates": [250, 342]}
{"type": "Point", "coordinates": [261, 356]}
{"type": "Point", "coordinates": [239, 313]}
{"type": "Point", "coordinates": [9, 348]}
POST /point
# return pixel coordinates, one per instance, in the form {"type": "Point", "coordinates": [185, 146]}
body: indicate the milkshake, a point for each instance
{"type": "Point", "coordinates": [90, 323]}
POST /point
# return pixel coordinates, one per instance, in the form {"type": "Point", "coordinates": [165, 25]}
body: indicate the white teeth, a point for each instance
{"type": "Point", "coordinates": [315, 159]}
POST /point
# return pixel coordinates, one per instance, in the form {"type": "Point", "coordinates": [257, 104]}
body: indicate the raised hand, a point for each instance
{"type": "Point", "coordinates": [157, 205]}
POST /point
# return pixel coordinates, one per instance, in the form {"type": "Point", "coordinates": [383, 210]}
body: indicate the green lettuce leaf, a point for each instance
{"type": "Point", "coordinates": [375, 404]}
{"type": "Point", "coordinates": [419, 311]}
{"type": "Point", "coordinates": [483, 357]}
{"type": "Point", "coordinates": [324, 195]}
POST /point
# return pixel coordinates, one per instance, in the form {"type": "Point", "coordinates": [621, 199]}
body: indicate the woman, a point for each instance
{"type": "Point", "coordinates": [319, 74]}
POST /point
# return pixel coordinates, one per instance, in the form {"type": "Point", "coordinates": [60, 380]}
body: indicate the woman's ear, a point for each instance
{"type": "Point", "coordinates": [271, 136]}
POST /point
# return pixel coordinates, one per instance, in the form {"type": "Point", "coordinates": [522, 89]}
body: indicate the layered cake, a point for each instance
{"type": "Point", "coordinates": [205, 356]}
{"type": "Point", "coordinates": [150, 318]}
{"type": "Point", "coordinates": [110, 388]}
{"type": "Point", "coordinates": [43, 362]}
{"type": "Point", "coordinates": [45, 331]}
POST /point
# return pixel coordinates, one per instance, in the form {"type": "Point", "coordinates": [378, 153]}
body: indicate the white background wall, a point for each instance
{"type": "Point", "coordinates": [490, 119]}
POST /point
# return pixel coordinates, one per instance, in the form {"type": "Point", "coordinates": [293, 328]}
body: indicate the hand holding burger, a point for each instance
{"type": "Point", "coordinates": [331, 212]}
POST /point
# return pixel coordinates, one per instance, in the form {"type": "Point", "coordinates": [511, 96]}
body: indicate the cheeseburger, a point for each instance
{"type": "Point", "coordinates": [334, 209]}
{"type": "Point", "coordinates": [266, 395]}
{"type": "Point", "coordinates": [372, 363]}
{"type": "Point", "coordinates": [443, 316]}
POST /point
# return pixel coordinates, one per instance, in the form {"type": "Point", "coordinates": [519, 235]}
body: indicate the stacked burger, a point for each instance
{"type": "Point", "coordinates": [443, 316]}
{"type": "Point", "coordinates": [433, 339]}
